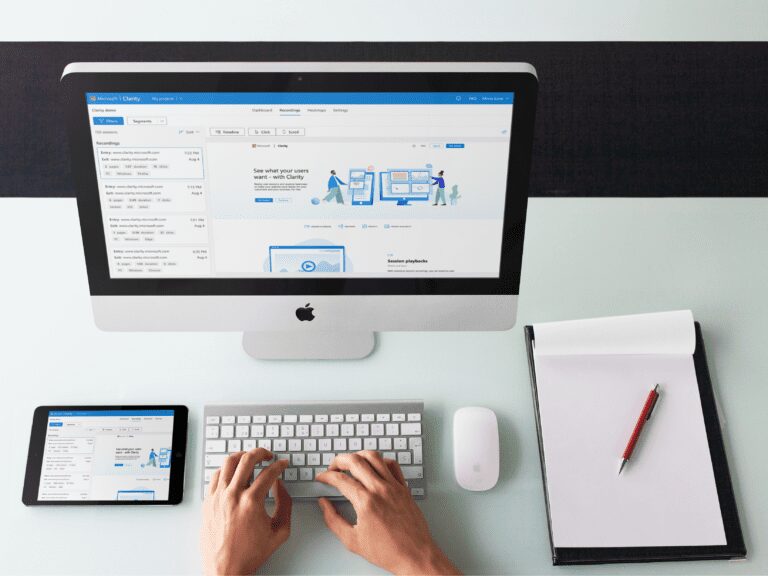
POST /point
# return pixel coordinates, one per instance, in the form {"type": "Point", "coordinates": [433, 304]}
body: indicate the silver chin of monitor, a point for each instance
{"type": "Point", "coordinates": [309, 327]}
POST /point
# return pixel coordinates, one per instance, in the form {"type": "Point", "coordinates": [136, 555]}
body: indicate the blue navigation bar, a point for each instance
{"type": "Point", "coordinates": [287, 98]}
{"type": "Point", "coordinates": [61, 413]}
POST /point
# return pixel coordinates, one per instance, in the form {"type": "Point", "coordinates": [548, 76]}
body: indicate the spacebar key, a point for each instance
{"type": "Point", "coordinates": [310, 490]}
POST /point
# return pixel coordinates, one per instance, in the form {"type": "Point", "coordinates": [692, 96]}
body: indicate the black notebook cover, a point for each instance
{"type": "Point", "coordinates": [735, 542]}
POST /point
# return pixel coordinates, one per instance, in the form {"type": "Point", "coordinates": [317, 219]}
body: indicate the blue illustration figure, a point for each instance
{"type": "Point", "coordinates": [152, 458]}
{"type": "Point", "coordinates": [454, 195]}
{"type": "Point", "coordinates": [333, 188]}
{"type": "Point", "coordinates": [440, 195]}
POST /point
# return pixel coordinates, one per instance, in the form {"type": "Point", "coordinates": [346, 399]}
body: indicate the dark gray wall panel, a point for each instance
{"type": "Point", "coordinates": [614, 118]}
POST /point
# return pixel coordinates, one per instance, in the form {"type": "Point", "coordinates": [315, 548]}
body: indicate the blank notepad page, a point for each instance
{"type": "Point", "coordinates": [593, 378]}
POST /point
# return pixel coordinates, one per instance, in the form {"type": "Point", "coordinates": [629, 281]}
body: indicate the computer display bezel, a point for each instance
{"type": "Point", "coordinates": [523, 85]}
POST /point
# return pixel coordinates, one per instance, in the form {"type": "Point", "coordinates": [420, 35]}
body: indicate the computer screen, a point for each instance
{"type": "Point", "coordinates": [302, 185]}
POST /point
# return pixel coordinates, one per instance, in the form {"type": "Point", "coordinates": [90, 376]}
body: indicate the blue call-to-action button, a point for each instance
{"type": "Point", "coordinates": [55, 424]}
{"type": "Point", "coordinates": [108, 120]}
{"type": "Point", "coordinates": [260, 200]}
{"type": "Point", "coordinates": [119, 464]}
{"type": "Point", "coordinates": [454, 145]}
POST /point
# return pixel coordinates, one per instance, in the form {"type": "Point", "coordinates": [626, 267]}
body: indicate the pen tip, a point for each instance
{"type": "Point", "coordinates": [623, 462]}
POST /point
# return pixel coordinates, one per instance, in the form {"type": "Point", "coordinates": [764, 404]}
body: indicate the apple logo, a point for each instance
{"type": "Point", "coordinates": [305, 314]}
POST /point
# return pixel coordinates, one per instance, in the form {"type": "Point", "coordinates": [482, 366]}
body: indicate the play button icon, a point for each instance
{"type": "Point", "coordinates": [308, 266]}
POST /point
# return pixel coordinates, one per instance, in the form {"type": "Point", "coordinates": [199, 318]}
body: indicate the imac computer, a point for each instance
{"type": "Point", "coordinates": [305, 204]}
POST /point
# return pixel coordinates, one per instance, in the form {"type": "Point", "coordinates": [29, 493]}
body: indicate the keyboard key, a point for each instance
{"type": "Point", "coordinates": [401, 444]}
{"type": "Point", "coordinates": [347, 429]}
{"type": "Point", "coordinates": [212, 420]}
{"type": "Point", "coordinates": [286, 457]}
{"type": "Point", "coordinates": [302, 430]}
{"type": "Point", "coordinates": [414, 442]}
{"type": "Point", "coordinates": [227, 431]}
{"type": "Point", "coordinates": [382, 417]}
{"type": "Point", "coordinates": [369, 444]}
{"type": "Point", "coordinates": [317, 430]}
{"type": "Point", "coordinates": [389, 455]}
{"type": "Point", "coordinates": [352, 418]}
{"type": "Point", "coordinates": [324, 444]}
{"type": "Point", "coordinates": [234, 446]}
{"type": "Point", "coordinates": [249, 445]}
{"type": "Point", "coordinates": [332, 430]}
{"type": "Point", "coordinates": [355, 444]}
{"type": "Point", "coordinates": [275, 418]}
{"type": "Point", "coordinates": [259, 419]}
{"type": "Point", "coordinates": [311, 490]}
{"type": "Point", "coordinates": [321, 417]}
{"type": "Point", "coordinates": [362, 430]}
{"type": "Point", "coordinates": [417, 491]}
{"type": "Point", "coordinates": [393, 429]}
{"type": "Point", "coordinates": [286, 430]}
{"type": "Point", "coordinates": [215, 460]}
{"type": "Point", "coordinates": [385, 444]}
{"type": "Point", "coordinates": [227, 419]}
{"type": "Point", "coordinates": [339, 444]}
{"type": "Point", "coordinates": [403, 457]}
{"type": "Point", "coordinates": [412, 472]}
{"type": "Point", "coordinates": [306, 474]}
{"type": "Point", "coordinates": [290, 474]}
{"type": "Point", "coordinates": [243, 419]}
{"type": "Point", "coordinates": [313, 459]}
{"type": "Point", "coordinates": [377, 429]}
{"type": "Point", "coordinates": [305, 418]}
{"type": "Point", "coordinates": [398, 417]}
{"type": "Point", "coordinates": [414, 417]}
{"type": "Point", "coordinates": [273, 431]}
{"type": "Point", "coordinates": [266, 444]}
{"type": "Point", "coordinates": [367, 418]}
{"type": "Point", "coordinates": [310, 445]}
{"type": "Point", "coordinates": [290, 418]}
{"type": "Point", "coordinates": [208, 474]}
{"type": "Point", "coordinates": [337, 417]}
{"type": "Point", "coordinates": [257, 430]}
{"type": "Point", "coordinates": [417, 455]}
{"type": "Point", "coordinates": [279, 444]}
{"type": "Point", "coordinates": [328, 458]}
{"type": "Point", "coordinates": [320, 471]}
{"type": "Point", "coordinates": [294, 445]}
{"type": "Point", "coordinates": [216, 446]}
{"type": "Point", "coordinates": [410, 429]}
{"type": "Point", "coordinates": [242, 431]}
{"type": "Point", "coordinates": [211, 431]}
{"type": "Point", "coordinates": [299, 460]}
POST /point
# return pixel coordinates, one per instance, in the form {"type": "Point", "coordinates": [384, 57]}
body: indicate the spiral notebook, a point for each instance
{"type": "Point", "coordinates": [674, 501]}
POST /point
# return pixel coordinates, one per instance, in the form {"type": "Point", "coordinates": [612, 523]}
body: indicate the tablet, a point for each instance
{"type": "Point", "coordinates": [122, 455]}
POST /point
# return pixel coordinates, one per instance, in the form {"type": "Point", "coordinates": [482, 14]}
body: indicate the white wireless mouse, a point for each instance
{"type": "Point", "coordinates": [476, 448]}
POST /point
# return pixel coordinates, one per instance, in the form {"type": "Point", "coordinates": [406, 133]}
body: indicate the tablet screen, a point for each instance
{"type": "Point", "coordinates": [120, 455]}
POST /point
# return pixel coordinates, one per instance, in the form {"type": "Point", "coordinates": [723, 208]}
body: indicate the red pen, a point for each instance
{"type": "Point", "coordinates": [650, 404]}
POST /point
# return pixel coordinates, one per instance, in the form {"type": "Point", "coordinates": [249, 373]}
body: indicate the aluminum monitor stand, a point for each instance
{"type": "Point", "coordinates": [309, 345]}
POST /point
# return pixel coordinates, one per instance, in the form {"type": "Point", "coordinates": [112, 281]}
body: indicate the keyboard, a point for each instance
{"type": "Point", "coordinates": [309, 435]}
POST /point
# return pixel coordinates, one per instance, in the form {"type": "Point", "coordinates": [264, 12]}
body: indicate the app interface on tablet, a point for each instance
{"type": "Point", "coordinates": [297, 185]}
{"type": "Point", "coordinates": [107, 455]}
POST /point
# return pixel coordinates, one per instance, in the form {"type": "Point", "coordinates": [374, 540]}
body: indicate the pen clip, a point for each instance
{"type": "Point", "coordinates": [653, 405]}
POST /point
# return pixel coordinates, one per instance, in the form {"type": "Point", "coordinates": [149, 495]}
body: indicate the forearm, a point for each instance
{"type": "Point", "coordinates": [434, 561]}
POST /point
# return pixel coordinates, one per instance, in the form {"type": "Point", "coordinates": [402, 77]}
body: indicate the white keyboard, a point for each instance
{"type": "Point", "coordinates": [309, 435]}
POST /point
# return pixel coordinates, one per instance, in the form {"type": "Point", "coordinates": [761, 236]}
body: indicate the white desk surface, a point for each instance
{"type": "Point", "coordinates": [583, 257]}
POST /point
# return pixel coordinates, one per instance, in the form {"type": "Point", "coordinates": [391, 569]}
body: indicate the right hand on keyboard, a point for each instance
{"type": "Point", "coordinates": [391, 531]}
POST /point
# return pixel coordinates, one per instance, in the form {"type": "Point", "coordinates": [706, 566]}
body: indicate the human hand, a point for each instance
{"type": "Point", "coordinates": [238, 535]}
{"type": "Point", "coordinates": [391, 531]}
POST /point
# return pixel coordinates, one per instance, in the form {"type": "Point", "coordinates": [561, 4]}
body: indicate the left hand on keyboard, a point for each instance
{"type": "Point", "coordinates": [238, 535]}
